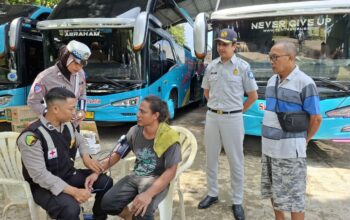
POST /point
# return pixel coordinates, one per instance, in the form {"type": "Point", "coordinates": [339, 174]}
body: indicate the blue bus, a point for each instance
{"type": "Point", "coordinates": [19, 63]}
{"type": "Point", "coordinates": [321, 32]}
{"type": "Point", "coordinates": [133, 56]}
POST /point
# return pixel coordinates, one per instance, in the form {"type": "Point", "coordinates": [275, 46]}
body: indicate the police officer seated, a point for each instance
{"type": "Point", "coordinates": [48, 148]}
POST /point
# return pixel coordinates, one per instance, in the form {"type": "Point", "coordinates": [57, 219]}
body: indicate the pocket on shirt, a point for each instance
{"type": "Point", "coordinates": [232, 79]}
{"type": "Point", "coordinates": [213, 79]}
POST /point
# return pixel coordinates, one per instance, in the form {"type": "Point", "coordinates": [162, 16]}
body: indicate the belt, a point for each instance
{"type": "Point", "coordinates": [220, 112]}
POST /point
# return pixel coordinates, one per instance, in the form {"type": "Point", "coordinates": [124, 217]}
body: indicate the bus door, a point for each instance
{"type": "Point", "coordinates": [26, 53]}
{"type": "Point", "coordinates": [161, 61]}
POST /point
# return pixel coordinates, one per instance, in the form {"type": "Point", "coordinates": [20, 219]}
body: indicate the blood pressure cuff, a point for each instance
{"type": "Point", "coordinates": [122, 149]}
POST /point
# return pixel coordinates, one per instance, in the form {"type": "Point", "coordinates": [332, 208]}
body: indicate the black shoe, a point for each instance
{"type": "Point", "coordinates": [238, 212]}
{"type": "Point", "coordinates": [207, 201]}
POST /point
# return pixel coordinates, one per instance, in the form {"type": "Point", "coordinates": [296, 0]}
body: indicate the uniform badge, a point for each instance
{"type": "Point", "coordinates": [31, 140]}
{"type": "Point", "coordinates": [38, 88]}
{"type": "Point", "coordinates": [250, 75]}
{"type": "Point", "coordinates": [223, 34]}
{"type": "Point", "coordinates": [52, 153]}
{"type": "Point", "coordinates": [235, 72]}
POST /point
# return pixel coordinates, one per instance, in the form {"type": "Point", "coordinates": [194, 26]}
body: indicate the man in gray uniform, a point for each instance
{"type": "Point", "coordinates": [66, 73]}
{"type": "Point", "coordinates": [225, 81]}
{"type": "Point", "coordinates": [48, 148]}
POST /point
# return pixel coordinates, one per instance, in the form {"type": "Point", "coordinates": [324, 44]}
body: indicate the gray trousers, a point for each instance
{"type": "Point", "coordinates": [227, 131]}
{"type": "Point", "coordinates": [124, 192]}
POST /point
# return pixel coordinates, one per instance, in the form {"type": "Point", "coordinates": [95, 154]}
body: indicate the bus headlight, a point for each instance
{"type": "Point", "coordinates": [343, 112]}
{"type": "Point", "coordinates": [5, 99]}
{"type": "Point", "coordinates": [127, 102]}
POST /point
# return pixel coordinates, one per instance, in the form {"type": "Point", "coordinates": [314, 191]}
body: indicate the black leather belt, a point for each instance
{"type": "Point", "coordinates": [223, 112]}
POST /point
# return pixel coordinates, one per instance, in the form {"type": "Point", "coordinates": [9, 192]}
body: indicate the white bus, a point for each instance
{"type": "Point", "coordinates": [321, 32]}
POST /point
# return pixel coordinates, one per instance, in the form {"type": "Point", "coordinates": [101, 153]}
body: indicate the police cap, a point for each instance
{"type": "Point", "coordinates": [80, 52]}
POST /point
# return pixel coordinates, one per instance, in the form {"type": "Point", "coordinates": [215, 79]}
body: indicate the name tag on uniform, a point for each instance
{"type": "Point", "coordinates": [214, 73]}
{"type": "Point", "coordinates": [52, 153]}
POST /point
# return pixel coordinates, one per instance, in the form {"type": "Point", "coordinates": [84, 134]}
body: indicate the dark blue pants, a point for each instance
{"type": "Point", "coordinates": [64, 206]}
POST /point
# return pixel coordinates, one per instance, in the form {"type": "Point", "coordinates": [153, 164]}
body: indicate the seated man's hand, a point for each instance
{"type": "Point", "coordinates": [89, 181]}
{"type": "Point", "coordinates": [92, 164]}
{"type": "Point", "coordinates": [140, 204]}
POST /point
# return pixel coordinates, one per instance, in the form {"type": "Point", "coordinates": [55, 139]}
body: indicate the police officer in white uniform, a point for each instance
{"type": "Point", "coordinates": [66, 73]}
{"type": "Point", "coordinates": [226, 80]}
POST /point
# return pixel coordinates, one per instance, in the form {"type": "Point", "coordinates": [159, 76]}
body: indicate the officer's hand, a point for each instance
{"type": "Point", "coordinates": [78, 117]}
{"type": "Point", "coordinates": [140, 204]}
{"type": "Point", "coordinates": [90, 181]}
{"type": "Point", "coordinates": [92, 164]}
{"type": "Point", "coordinates": [82, 195]}
{"type": "Point", "coordinates": [81, 115]}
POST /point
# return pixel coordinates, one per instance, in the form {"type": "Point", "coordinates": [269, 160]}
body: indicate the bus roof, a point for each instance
{"type": "Point", "coordinates": [282, 9]}
{"type": "Point", "coordinates": [162, 9]}
{"type": "Point", "coordinates": [86, 23]}
{"type": "Point", "coordinates": [9, 12]}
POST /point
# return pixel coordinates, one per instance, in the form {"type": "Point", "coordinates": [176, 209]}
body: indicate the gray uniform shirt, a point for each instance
{"type": "Point", "coordinates": [51, 78]}
{"type": "Point", "coordinates": [227, 83]}
{"type": "Point", "coordinates": [33, 159]}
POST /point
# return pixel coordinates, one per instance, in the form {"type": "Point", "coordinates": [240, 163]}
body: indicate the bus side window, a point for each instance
{"type": "Point", "coordinates": [154, 58]}
{"type": "Point", "coordinates": [166, 56]}
{"type": "Point", "coordinates": [33, 50]}
{"type": "Point", "coordinates": [161, 57]}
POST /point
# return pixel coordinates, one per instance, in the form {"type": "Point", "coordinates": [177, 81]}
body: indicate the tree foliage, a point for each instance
{"type": "Point", "coordinates": [48, 3]}
{"type": "Point", "coordinates": [178, 32]}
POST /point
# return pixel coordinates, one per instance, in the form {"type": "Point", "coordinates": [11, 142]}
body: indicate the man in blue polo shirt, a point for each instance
{"type": "Point", "coordinates": [283, 177]}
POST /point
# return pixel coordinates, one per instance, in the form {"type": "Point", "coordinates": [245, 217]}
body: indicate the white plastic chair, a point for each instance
{"type": "Point", "coordinates": [16, 189]}
{"type": "Point", "coordinates": [188, 150]}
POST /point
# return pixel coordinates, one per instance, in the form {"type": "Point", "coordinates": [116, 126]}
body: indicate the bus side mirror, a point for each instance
{"type": "Point", "coordinates": [14, 33]}
{"type": "Point", "coordinates": [140, 31]}
{"type": "Point", "coordinates": [200, 30]}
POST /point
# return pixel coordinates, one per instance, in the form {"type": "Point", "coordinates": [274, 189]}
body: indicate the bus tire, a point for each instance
{"type": "Point", "coordinates": [174, 97]}
{"type": "Point", "coordinates": [172, 103]}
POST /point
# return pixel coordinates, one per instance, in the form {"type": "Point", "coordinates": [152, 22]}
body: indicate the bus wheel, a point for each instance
{"type": "Point", "coordinates": [173, 96]}
{"type": "Point", "coordinates": [172, 103]}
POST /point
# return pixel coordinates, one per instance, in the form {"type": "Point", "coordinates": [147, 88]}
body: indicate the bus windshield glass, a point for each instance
{"type": "Point", "coordinates": [111, 57]}
{"type": "Point", "coordinates": [322, 43]}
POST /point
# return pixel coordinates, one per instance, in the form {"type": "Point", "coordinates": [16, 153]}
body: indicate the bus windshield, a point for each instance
{"type": "Point", "coordinates": [112, 59]}
{"type": "Point", "coordinates": [322, 43]}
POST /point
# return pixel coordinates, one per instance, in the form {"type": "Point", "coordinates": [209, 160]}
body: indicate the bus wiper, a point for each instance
{"type": "Point", "coordinates": [135, 81]}
{"type": "Point", "coordinates": [8, 82]}
{"type": "Point", "coordinates": [329, 82]}
{"type": "Point", "coordinates": [105, 79]}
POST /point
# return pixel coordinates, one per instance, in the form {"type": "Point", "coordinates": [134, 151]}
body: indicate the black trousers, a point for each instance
{"type": "Point", "coordinates": [64, 206]}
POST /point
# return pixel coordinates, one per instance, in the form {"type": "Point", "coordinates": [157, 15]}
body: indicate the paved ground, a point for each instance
{"type": "Point", "coordinates": [328, 194]}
